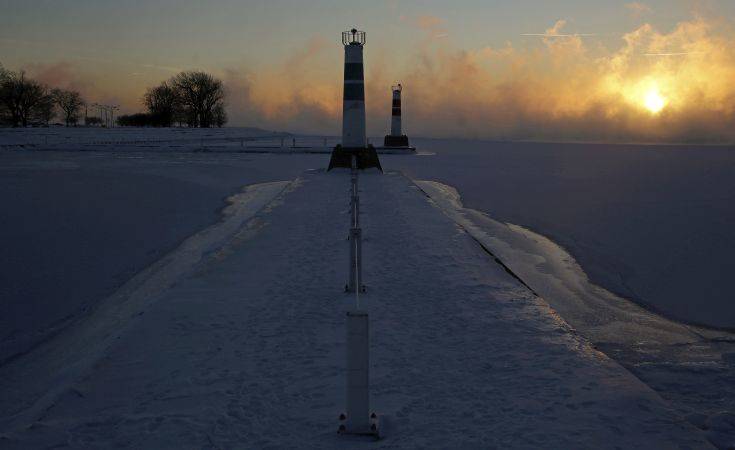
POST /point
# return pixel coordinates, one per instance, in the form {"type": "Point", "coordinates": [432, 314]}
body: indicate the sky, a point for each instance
{"type": "Point", "coordinates": [598, 70]}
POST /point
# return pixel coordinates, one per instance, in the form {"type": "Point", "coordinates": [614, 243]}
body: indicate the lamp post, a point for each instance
{"type": "Point", "coordinates": [107, 113]}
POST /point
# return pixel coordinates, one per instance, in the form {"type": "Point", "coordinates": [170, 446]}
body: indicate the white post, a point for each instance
{"type": "Point", "coordinates": [355, 260]}
{"type": "Point", "coordinates": [357, 419]}
{"type": "Point", "coordinates": [354, 195]}
{"type": "Point", "coordinates": [358, 364]}
{"type": "Point", "coordinates": [355, 210]}
{"type": "Point", "coordinates": [355, 238]}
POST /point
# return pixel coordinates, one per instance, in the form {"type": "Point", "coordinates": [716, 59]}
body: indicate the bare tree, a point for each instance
{"type": "Point", "coordinates": [45, 110]}
{"type": "Point", "coordinates": [200, 95]}
{"type": "Point", "coordinates": [163, 103]}
{"type": "Point", "coordinates": [22, 97]}
{"type": "Point", "coordinates": [4, 111]}
{"type": "Point", "coordinates": [220, 115]}
{"type": "Point", "coordinates": [70, 103]}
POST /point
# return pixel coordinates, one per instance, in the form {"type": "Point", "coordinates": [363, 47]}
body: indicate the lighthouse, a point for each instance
{"type": "Point", "coordinates": [354, 139]}
{"type": "Point", "coordinates": [353, 104]}
{"type": "Point", "coordinates": [396, 138]}
{"type": "Point", "coordinates": [395, 122]}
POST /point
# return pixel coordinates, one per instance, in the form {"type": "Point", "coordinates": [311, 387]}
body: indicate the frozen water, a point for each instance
{"type": "Point", "coordinates": [652, 223]}
{"type": "Point", "coordinates": [76, 226]}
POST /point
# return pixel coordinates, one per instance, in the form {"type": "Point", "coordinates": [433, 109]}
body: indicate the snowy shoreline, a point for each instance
{"type": "Point", "coordinates": [648, 344]}
{"type": "Point", "coordinates": [637, 218]}
{"type": "Point", "coordinates": [47, 364]}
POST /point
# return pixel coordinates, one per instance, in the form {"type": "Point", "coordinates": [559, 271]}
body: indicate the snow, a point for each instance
{"type": "Point", "coordinates": [554, 274]}
{"type": "Point", "coordinates": [78, 225]}
{"type": "Point", "coordinates": [690, 366]}
{"type": "Point", "coordinates": [649, 223]}
{"type": "Point", "coordinates": [56, 137]}
{"type": "Point", "coordinates": [220, 140]}
{"type": "Point", "coordinates": [110, 315]}
{"type": "Point", "coordinates": [236, 339]}
{"type": "Point", "coordinates": [59, 361]}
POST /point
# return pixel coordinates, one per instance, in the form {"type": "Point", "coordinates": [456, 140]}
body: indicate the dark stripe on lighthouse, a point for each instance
{"type": "Point", "coordinates": [354, 91]}
{"type": "Point", "coordinates": [354, 72]}
{"type": "Point", "coordinates": [396, 102]}
{"type": "Point", "coordinates": [396, 111]}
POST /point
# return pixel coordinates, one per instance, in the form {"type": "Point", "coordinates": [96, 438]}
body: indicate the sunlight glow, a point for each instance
{"type": "Point", "coordinates": [654, 101]}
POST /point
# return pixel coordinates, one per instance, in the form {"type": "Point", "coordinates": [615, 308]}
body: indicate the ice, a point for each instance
{"type": "Point", "coordinates": [124, 334]}
{"type": "Point", "coordinates": [652, 223]}
{"type": "Point", "coordinates": [78, 225]}
{"type": "Point", "coordinates": [245, 349]}
{"type": "Point", "coordinates": [690, 366]}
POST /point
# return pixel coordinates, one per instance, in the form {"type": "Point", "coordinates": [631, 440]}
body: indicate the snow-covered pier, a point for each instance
{"type": "Point", "coordinates": [226, 140]}
{"type": "Point", "coordinates": [214, 347]}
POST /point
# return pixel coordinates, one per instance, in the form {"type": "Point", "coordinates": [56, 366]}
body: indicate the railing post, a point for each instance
{"type": "Point", "coordinates": [357, 418]}
{"type": "Point", "coordinates": [358, 370]}
{"type": "Point", "coordinates": [355, 281]}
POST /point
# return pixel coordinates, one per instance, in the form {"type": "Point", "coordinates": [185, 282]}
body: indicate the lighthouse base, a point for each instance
{"type": "Point", "coordinates": [396, 141]}
{"type": "Point", "coordinates": [367, 157]}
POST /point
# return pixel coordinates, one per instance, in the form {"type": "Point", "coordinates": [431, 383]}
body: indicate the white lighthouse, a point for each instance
{"type": "Point", "coordinates": [396, 140]}
{"type": "Point", "coordinates": [353, 105]}
{"type": "Point", "coordinates": [354, 139]}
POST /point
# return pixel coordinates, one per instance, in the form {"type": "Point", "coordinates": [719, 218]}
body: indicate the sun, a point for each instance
{"type": "Point", "coordinates": [654, 101]}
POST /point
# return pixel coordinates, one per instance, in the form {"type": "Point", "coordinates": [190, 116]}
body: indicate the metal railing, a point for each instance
{"type": "Point", "coordinates": [354, 37]}
{"type": "Point", "coordinates": [123, 139]}
{"type": "Point", "coordinates": [355, 282]}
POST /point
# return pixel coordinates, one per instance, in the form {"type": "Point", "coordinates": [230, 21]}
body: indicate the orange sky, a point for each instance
{"type": "Point", "coordinates": [659, 85]}
{"type": "Point", "coordinates": [648, 82]}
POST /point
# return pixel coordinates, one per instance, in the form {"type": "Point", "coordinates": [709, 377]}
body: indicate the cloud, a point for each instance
{"type": "Point", "coordinates": [300, 94]}
{"type": "Point", "coordinates": [118, 87]}
{"type": "Point", "coordinates": [428, 22]}
{"type": "Point", "coordinates": [567, 89]}
{"type": "Point", "coordinates": [60, 74]}
{"type": "Point", "coordinates": [433, 26]}
{"type": "Point", "coordinates": [637, 9]}
{"type": "Point", "coordinates": [556, 32]}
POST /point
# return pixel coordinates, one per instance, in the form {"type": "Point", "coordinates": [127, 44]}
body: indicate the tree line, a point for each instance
{"type": "Point", "coordinates": [24, 101]}
{"type": "Point", "coordinates": [191, 98]}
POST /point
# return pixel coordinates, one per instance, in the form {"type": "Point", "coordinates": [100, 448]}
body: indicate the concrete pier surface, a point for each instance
{"type": "Point", "coordinates": [237, 340]}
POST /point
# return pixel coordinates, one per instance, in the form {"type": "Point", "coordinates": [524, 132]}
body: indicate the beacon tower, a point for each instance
{"type": "Point", "coordinates": [395, 121]}
{"type": "Point", "coordinates": [354, 140]}
{"type": "Point", "coordinates": [396, 138]}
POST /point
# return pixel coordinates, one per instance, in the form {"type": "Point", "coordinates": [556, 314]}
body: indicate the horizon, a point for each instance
{"type": "Point", "coordinates": [622, 72]}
